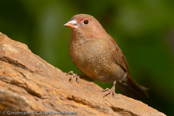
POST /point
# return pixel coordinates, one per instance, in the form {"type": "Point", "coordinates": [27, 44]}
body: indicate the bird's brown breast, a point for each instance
{"type": "Point", "coordinates": [93, 59]}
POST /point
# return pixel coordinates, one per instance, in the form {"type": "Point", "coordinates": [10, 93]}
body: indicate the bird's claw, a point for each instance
{"type": "Point", "coordinates": [109, 91]}
{"type": "Point", "coordinates": [73, 75]}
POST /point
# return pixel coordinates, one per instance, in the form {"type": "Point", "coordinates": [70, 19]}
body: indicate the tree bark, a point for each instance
{"type": "Point", "coordinates": [30, 85]}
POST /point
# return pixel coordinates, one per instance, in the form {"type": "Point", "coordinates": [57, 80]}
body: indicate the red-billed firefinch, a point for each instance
{"type": "Point", "coordinates": [98, 57]}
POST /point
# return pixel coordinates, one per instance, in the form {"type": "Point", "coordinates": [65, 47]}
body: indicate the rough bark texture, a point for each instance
{"type": "Point", "coordinates": [30, 84]}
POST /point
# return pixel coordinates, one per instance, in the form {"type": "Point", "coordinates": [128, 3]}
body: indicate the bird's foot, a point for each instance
{"type": "Point", "coordinates": [73, 75]}
{"type": "Point", "coordinates": [109, 91]}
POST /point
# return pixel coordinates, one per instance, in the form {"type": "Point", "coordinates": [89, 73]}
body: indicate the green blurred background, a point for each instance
{"type": "Point", "coordinates": [143, 29]}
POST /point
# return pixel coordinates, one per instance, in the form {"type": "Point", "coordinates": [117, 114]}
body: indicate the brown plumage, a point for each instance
{"type": "Point", "coordinates": [98, 57]}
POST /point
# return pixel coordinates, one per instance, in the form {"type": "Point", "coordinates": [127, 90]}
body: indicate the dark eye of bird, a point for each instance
{"type": "Point", "coordinates": [85, 21]}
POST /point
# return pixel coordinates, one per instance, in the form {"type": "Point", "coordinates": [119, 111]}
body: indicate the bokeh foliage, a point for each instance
{"type": "Point", "coordinates": [144, 30]}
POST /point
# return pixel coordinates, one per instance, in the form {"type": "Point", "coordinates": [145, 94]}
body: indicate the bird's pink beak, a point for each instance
{"type": "Point", "coordinates": [71, 23]}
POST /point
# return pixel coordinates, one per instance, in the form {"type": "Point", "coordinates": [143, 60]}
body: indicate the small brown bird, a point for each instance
{"type": "Point", "coordinates": [98, 57]}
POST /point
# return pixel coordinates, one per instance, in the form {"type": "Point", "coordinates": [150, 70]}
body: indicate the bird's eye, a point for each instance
{"type": "Point", "coordinates": [85, 21]}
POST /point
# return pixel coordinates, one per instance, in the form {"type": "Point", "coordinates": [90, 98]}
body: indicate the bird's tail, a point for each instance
{"type": "Point", "coordinates": [132, 89]}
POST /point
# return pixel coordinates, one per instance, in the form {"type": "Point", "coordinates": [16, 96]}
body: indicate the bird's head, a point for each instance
{"type": "Point", "coordinates": [85, 24]}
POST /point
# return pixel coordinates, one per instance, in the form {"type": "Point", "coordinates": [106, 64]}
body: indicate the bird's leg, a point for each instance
{"type": "Point", "coordinates": [73, 75]}
{"type": "Point", "coordinates": [124, 79]}
{"type": "Point", "coordinates": [112, 90]}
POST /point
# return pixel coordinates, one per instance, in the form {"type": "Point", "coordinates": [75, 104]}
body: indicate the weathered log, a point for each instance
{"type": "Point", "coordinates": [30, 85]}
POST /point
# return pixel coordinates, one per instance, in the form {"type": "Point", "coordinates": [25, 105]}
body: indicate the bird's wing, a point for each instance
{"type": "Point", "coordinates": [118, 56]}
